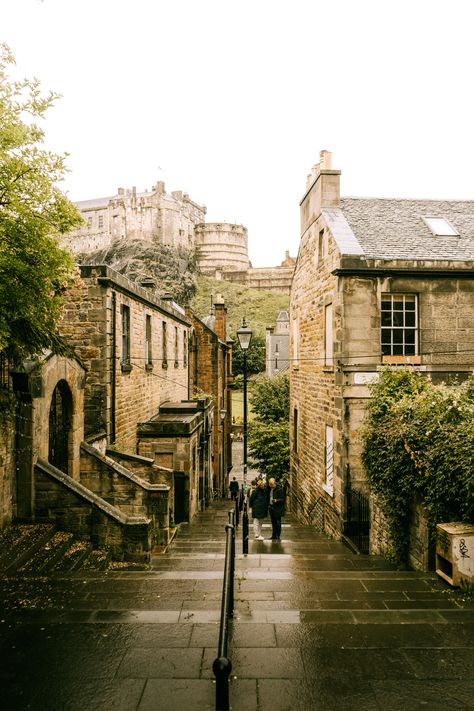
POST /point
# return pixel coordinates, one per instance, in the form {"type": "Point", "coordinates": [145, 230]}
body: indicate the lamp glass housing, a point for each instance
{"type": "Point", "coordinates": [244, 334]}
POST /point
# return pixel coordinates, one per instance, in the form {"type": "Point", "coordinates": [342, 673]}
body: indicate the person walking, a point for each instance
{"type": "Point", "coordinates": [259, 505]}
{"type": "Point", "coordinates": [234, 489]}
{"type": "Point", "coordinates": [276, 507]}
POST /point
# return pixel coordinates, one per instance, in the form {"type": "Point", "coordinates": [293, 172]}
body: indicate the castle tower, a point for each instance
{"type": "Point", "coordinates": [221, 246]}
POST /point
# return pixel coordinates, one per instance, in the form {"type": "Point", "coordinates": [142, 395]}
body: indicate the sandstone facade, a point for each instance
{"type": "Point", "coordinates": [360, 262]}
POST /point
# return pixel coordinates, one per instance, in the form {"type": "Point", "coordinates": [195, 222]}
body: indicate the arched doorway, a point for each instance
{"type": "Point", "coordinates": [59, 426]}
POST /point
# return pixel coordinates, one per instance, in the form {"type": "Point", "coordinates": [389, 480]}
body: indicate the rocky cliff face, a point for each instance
{"type": "Point", "coordinates": [172, 269]}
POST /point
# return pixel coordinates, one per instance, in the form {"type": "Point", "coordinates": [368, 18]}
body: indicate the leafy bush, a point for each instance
{"type": "Point", "coordinates": [418, 441]}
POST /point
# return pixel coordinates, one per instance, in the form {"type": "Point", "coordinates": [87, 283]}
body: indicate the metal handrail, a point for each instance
{"type": "Point", "coordinates": [222, 665]}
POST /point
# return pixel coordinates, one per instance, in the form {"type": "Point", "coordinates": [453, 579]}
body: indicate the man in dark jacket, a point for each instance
{"type": "Point", "coordinates": [276, 506]}
{"type": "Point", "coordinates": [234, 488]}
{"type": "Point", "coordinates": [259, 504]}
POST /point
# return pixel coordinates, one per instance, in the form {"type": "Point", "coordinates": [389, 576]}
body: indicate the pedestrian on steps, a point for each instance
{"type": "Point", "coordinates": [234, 489]}
{"type": "Point", "coordinates": [259, 505]}
{"type": "Point", "coordinates": [276, 507]}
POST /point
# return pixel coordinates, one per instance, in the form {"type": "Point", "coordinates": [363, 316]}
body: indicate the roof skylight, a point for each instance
{"type": "Point", "coordinates": [440, 226]}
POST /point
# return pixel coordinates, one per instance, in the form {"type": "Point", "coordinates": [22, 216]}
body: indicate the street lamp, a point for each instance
{"type": "Point", "coordinates": [244, 334]}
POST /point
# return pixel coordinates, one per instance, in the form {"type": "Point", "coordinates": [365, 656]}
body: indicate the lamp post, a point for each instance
{"type": "Point", "coordinates": [244, 334]}
{"type": "Point", "coordinates": [223, 414]}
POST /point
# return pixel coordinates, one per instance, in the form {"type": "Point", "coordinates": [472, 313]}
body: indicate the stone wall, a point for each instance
{"type": "Point", "coordinates": [7, 474]}
{"type": "Point", "coordinates": [73, 508]}
{"type": "Point", "coordinates": [120, 390]}
{"type": "Point", "coordinates": [316, 381]}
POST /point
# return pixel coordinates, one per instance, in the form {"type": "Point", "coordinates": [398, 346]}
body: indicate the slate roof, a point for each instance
{"type": "Point", "coordinates": [94, 203]}
{"type": "Point", "coordinates": [385, 228]}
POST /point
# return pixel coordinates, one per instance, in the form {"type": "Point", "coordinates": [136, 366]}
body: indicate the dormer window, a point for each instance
{"type": "Point", "coordinates": [441, 227]}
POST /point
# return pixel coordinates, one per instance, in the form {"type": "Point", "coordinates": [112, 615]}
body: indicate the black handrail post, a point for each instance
{"type": "Point", "coordinates": [245, 529]}
{"type": "Point", "coordinates": [222, 665]}
{"type": "Point", "coordinates": [232, 574]}
{"type": "Point", "coordinates": [236, 512]}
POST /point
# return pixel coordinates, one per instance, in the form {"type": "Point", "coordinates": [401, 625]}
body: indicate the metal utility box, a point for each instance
{"type": "Point", "coordinates": [455, 553]}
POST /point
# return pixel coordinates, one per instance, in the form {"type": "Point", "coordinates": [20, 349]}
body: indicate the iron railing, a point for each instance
{"type": "Point", "coordinates": [222, 665]}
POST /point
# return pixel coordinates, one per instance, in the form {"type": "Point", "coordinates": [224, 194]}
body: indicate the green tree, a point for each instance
{"type": "Point", "coordinates": [269, 432]}
{"type": "Point", "coordinates": [270, 398]}
{"type": "Point", "coordinates": [34, 269]}
{"type": "Point", "coordinates": [255, 356]}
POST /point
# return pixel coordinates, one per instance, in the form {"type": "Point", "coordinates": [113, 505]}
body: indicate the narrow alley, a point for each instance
{"type": "Point", "coordinates": [315, 627]}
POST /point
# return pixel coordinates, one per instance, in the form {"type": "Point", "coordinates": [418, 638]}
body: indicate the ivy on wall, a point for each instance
{"type": "Point", "coordinates": [418, 442]}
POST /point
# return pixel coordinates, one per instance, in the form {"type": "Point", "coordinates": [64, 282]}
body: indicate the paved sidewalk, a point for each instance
{"type": "Point", "coordinates": [315, 627]}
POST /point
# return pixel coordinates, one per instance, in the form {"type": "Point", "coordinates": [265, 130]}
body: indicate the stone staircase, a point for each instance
{"type": "Point", "coordinates": [315, 628]}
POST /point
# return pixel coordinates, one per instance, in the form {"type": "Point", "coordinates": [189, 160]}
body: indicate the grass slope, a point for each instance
{"type": "Point", "coordinates": [260, 308]}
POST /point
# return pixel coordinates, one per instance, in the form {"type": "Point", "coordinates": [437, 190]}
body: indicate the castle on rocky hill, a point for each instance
{"type": "Point", "coordinates": [174, 220]}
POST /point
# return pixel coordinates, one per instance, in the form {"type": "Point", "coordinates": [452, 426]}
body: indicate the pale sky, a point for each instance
{"type": "Point", "coordinates": [231, 101]}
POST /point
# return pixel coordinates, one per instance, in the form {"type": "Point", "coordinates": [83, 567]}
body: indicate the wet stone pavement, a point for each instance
{"type": "Point", "coordinates": [315, 627]}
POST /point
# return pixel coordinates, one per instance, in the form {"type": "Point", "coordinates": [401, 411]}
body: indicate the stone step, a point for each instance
{"type": "Point", "coordinates": [20, 541]}
{"type": "Point", "coordinates": [45, 557]}
{"type": "Point", "coordinates": [73, 557]}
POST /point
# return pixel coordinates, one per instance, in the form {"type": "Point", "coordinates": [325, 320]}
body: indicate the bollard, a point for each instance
{"type": "Point", "coordinates": [222, 666]}
{"type": "Point", "coordinates": [245, 530]}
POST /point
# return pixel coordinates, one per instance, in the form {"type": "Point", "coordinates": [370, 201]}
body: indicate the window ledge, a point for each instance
{"type": "Point", "coordinates": [329, 490]}
{"type": "Point", "coordinates": [402, 359]}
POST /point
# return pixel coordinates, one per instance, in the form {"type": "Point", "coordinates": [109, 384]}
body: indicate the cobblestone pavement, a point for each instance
{"type": "Point", "coordinates": [315, 627]}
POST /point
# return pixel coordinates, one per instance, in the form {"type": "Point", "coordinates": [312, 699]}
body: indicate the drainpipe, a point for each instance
{"type": "Point", "coordinates": [114, 367]}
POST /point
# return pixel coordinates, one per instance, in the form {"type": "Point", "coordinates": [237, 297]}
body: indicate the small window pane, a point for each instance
{"type": "Point", "coordinates": [410, 336]}
{"type": "Point", "coordinates": [386, 318]}
{"type": "Point", "coordinates": [398, 350]}
{"type": "Point", "coordinates": [398, 336]}
{"type": "Point", "coordinates": [386, 304]}
{"type": "Point", "coordinates": [410, 318]}
{"type": "Point", "coordinates": [386, 349]}
{"type": "Point", "coordinates": [398, 318]}
{"type": "Point", "coordinates": [409, 350]}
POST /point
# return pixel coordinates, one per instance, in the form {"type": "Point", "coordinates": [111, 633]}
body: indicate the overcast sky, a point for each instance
{"type": "Point", "coordinates": [231, 101]}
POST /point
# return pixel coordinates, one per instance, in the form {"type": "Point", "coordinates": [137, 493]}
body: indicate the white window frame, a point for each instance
{"type": "Point", "coordinates": [328, 485]}
{"type": "Point", "coordinates": [401, 329]}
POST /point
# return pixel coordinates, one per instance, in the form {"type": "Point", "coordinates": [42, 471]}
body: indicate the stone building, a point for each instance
{"type": "Point", "coordinates": [174, 220]}
{"type": "Point", "coordinates": [111, 445]}
{"type": "Point", "coordinates": [376, 281]}
{"type": "Point", "coordinates": [211, 374]}
{"type": "Point", "coordinates": [151, 216]}
{"type": "Point", "coordinates": [277, 345]}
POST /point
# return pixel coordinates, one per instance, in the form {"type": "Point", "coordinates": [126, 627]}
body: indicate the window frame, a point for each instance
{"type": "Point", "coordinates": [164, 344]}
{"type": "Point", "coordinates": [328, 485]}
{"type": "Point", "coordinates": [399, 345]}
{"type": "Point", "coordinates": [328, 337]}
{"type": "Point", "coordinates": [125, 351]}
{"type": "Point", "coordinates": [148, 342]}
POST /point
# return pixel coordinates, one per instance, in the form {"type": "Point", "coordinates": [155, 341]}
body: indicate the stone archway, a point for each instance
{"type": "Point", "coordinates": [60, 413]}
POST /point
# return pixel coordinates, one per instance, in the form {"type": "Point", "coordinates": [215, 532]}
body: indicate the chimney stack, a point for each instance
{"type": "Point", "coordinates": [220, 317]}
